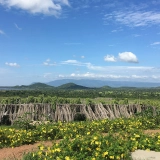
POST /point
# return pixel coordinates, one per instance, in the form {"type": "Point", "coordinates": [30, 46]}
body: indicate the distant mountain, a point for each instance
{"type": "Point", "coordinates": [35, 86]}
{"type": "Point", "coordinates": [83, 84]}
{"type": "Point", "coordinates": [100, 83]}
{"type": "Point", "coordinates": [40, 85]}
{"type": "Point", "coordinates": [72, 86]}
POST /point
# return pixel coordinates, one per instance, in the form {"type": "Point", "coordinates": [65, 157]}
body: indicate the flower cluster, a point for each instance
{"type": "Point", "coordinates": [101, 139]}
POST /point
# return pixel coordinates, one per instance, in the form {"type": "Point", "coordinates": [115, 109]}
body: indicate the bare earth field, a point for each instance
{"type": "Point", "coordinates": [18, 152]}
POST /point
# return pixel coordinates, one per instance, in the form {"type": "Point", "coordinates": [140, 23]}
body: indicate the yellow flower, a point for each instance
{"type": "Point", "coordinates": [137, 136]}
{"type": "Point", "coordinates": [96, 142]}
{"type": "Point", "coordinates": [33, 155]}
{"type": "Point", "coordinates": [88, 133]}
{"type": "Point", "coordinates": [98, 149]}
{"type": "Point", "coordinates": [41, 148]}
{"type": "Point", "coordinates": [53, 151]}
{"type": "Point", "coordinates": [67, 158]}
{"type": "Point", "coordinates": [58, 149]}
{"type": "Point", "coordinates": [111, 157]}
{"type": "Point", "coordinates": [104, 154]}
{"type": "Point", "coordinates": [95, 138]}
{"type": "Point", "coordinates": [122, 155]}
{"type": "Point", "coordinates": [40, 152]}
{"type": "Point", "coordinates": [96, 154]}
{"type": "Point", "coordinates": [133, 139]}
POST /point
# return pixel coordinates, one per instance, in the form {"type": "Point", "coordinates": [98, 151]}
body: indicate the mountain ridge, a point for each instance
{"type": "Point", "coordinates": [100, 83]}
{"type": "Point", "coordinates": [83, 84]}
{"type": "Point", "coordinates": [71, 86]}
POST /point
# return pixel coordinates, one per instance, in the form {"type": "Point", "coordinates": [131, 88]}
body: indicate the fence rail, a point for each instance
{"type": "Point", "coordinates": [67, 112]}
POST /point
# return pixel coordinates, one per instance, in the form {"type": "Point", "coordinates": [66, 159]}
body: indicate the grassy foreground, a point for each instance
{"type": "Point", "coordinates": [91, 140]}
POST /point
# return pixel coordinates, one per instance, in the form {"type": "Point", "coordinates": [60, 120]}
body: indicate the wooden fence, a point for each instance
{"type": "Point", "coordinates": [67, 112]}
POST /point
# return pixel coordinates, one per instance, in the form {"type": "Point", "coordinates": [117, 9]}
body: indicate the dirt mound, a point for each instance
{"type": "Point", "coordinates": [18, 152]}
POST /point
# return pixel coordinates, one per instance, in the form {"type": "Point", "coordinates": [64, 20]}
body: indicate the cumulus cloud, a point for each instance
{"type": "Point", "coordinates": [128, 57]}
{"type": "Point", "coordinates": [135, 73]}
{"type": "Point", "coordinates": [124, 56]}
{"type": "Point", "coordinates": [110, 58]}
{"type": "Point", "coordinates": [47, 7]}
{"type": "Point", "coordinates": [138, 73]}
{"type": "Point", "coordinates": [12, 64]}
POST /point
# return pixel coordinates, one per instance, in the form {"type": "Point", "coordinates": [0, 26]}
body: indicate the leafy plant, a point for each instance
{"type": "Point", "coordinates": [24, 122]}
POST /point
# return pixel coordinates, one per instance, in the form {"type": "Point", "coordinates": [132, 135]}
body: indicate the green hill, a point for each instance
{"type": "Point", "coordinates": [105, 87]}
{"type": "Point", "coordinates": [72, 86]}
{"type": "Point", "coordinates": [35, 86]}
{"type": "Point", "coordinates": [40, 85]}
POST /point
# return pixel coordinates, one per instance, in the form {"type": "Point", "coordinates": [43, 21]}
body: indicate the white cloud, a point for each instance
{"type": "Point", "coordinates": [47, 7]}
{"type": "Point", "coordinates": [74, 62]}
{"type": "Point", "coordinates": [110, 76]}
{"type": "Point", "coordinates": [12, 64]}
{"type": "Point", "coordinates": [85, 75]}
{"type": "Point", "coordinates": [96, 68]}
{"type": "Point", "coordinates": [134, 18]}
{"type": "Point", "coordinates": [47, 75]}
{"type": "Point", "coordinates": [139, 77]}
{"type": "Point", "coordinates": [123, 73]}
{"type": "Point", "coordinates": [1, 32]}
{"type": "Point", "coordinates": [136, 35]}
{"type": "Point", "coordinates": [71, 61]}
{"type": "Point", "coordinates": [63, 2]}
{"type": "Point", "coordinates": [110, 58]}
{"type": "Point", "coordinates": [61, 76]}
{"type": "Point", "coordinates": [47, 63]}
{"type": "Point", "coordinates": [155, 43]}
{"type": "Point", "coordinates": [17, 26]}
{"type": "Point", "coordinates": [137, 73]}
{"type": "Point", "coordinates": [128, 57]}
{"type": "Point", "coordinates": [124, 56]}
{"type": "Point", "coordinates": [82, 56]}
{"type": "Point", "coordinates": [114, 31]}
{"type": "Point", "coordinates": [117, 30]}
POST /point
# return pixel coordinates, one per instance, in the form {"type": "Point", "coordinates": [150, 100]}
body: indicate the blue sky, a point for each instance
{"type": "Point", "coordinates": [45, 40]}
